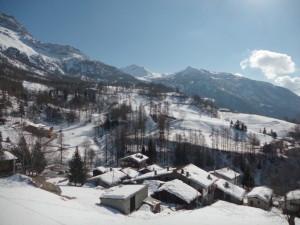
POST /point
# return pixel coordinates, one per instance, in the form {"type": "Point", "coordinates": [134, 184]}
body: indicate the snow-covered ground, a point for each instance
{"type": "Point", "coordinates": [187, 118]}
{"type": "Point", "coordinates": [22, 203]}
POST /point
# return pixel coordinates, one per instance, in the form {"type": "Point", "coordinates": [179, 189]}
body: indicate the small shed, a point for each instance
{"type": "Point", "coordinates": [136, 160]}
{"type": "Point", "coordinates": [229, 192]}
{"type": "Point", "coordinates": [125, 198]}
{"type": "Point", "coordinates": [153, 203]}
{"type": "Point", "coordinates": [177, 192]}
{"type": "Point", "coordinates": [108, 179]}
{"type": "Point", "coordinates": [260, 197]}
{"type": "Point", "coordinates": [7, 163]}
{"type": "Point", "coordinates": [228, 174]}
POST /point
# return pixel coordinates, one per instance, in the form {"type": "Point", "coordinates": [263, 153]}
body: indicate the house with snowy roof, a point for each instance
{"type": "Point", "coordinates": [199, 179]}
{"type": "Point", "coordinates": [38, 129]}
{"type": "Point", "coordinates": [291, 202]}
{"type": "Point", "coordinates": [229, 192]}
{"type": "Point", "coordinates": [108, 179]}
{"type": "Point", "coordinates": [100, 170]}
{"type": "Point", "coordinates": [130, 172]}
{"type": "Point", "coordinates": [260, 197]}
{"type": "Point", "coordinates": [7, 163]}
{"type": "Point", "coordinates": [150, 168]}
{"type": "Point", "coordinates": [125, 198]}
{"type": "Point", "coordinates": [136, 160]}
{"type": "Point", "coordinates": [179, 193]}
{"type": "Point", "coordinates": [165, 174]}
{"type": "Point", "coordinates": [228, 174]}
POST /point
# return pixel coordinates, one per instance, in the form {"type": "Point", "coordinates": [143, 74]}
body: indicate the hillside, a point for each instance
{"type": "Point", "coordinates": [20, 49]}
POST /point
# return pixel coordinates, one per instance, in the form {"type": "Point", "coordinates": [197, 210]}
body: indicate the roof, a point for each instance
{"type": "Point", "coordinates": [293, 195]}
{"type": "Point", "coordinates": [180, 189]}
{"type": "Point", "coordinates": [154, 167]}
{"type": "Point", "coordinates": [37, 125]}
{"type": "Point", "coordinates": [263, 193]}
{"type": "Point", "coordinates": [231, 189]}
{"type": "Point", "coordinates": [227, 172]}
{"type": "Point", "coordinates": [6, 156]}
{"type": "Point", "coordinates": [154, 174]}
{"type": "Point", "coordinates": [137, 157]}
{"type": "Point", "coordinates": [122, 191]}
{"type": "Point", "coordinates": [101, 169]}
{"type": "Point", "coordinates": [197, 175]}
{"type": "Point", "coordinates": [130, 172]}
{"type": "Point", "coordinates": [111, 177]}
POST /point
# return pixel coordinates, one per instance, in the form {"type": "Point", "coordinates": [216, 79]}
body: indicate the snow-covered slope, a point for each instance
{"type": "Point", "coordinates": [236, 93]}
{"type": "Point", "coordinates": [19, 48]}
{"type": "Point", "coordinates": [141, 72]}
{"type": "Point", "coordinates": [22, 203]}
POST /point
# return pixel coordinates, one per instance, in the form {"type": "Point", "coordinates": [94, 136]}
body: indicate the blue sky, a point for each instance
{"type": "Point", "coordinates": [168, 35]}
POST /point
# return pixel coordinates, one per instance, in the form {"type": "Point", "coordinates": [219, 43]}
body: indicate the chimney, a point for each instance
{"type": "Point", "coordinates": [155, 172]}
{"type": "Point", "coordinates": [111, 169]}
{"type": "Point", "coordinates": [187, 174]}
{"type": "Point", "coordinates": [168, 168]}
{"type": "Point", "coordinates": [182, 171]}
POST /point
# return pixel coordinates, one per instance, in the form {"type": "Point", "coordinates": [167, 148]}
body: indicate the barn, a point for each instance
{"type": "Point", "coordinates": [125, 198]}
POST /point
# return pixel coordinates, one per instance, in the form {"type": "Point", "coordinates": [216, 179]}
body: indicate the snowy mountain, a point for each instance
{"type": "Point", "coordinates": [19, 48]}
{"type": "Point", "coordinates": [236, 92]}
{"type": "Point", "coordinates": [141, 72]}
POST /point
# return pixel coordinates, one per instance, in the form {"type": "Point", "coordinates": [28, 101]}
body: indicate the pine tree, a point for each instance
{"type": "Point", "coordinates": [23, 153]}
{"type": "Point", "coordinates": [38, 159]}
{"type": "Point", "coordinates": [151, 153]}
{"type": "Point", "coordinates": [77, 172]}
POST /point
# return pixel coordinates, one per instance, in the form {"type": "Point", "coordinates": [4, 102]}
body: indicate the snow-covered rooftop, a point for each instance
{"type": "Point", "coordinates": [5, 156]}
{"type": "Point", "coordinates": [227, 172]}
{"type": "Point", "coordinates": [231, 189]}
{"type": "Point", "coordinates": [132, 173]}
{"type": "Point", "coordinates": [154, 167]}
{"type": "Point", "coordinates": [111, 177]}
{"type": "Point", "coordinates": [154, 174]}
{"type": "Point", "coordinates": [101, 169]}
{"type": "Point", "coordinates": [263, 193]}
{"type": "Point", "coordinates": [293, 195]}
{"type": "Point", "coordinates": [197, 175]}
{"type": "Point", "coordinates": [137, 157]}
{"type": "Point", "coordinates": [122, 191]}
{"type": "Point", "coordinates": [181, 190]}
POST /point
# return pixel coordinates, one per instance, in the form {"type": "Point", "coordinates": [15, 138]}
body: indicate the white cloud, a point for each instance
{"type": "Point", "coordinates": [292, 83]}
{"type": "Point", "coordinates": [272, 64]}
{"type": "Point", "coordinates": [277, 67]}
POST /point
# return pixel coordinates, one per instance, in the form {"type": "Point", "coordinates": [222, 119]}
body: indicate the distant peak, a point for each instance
{"type": "Point", "coordinates": [11, 23]}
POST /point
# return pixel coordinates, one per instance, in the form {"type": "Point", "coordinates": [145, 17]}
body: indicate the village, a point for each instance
{"type": "Point", "coordinates": [137, 184]}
